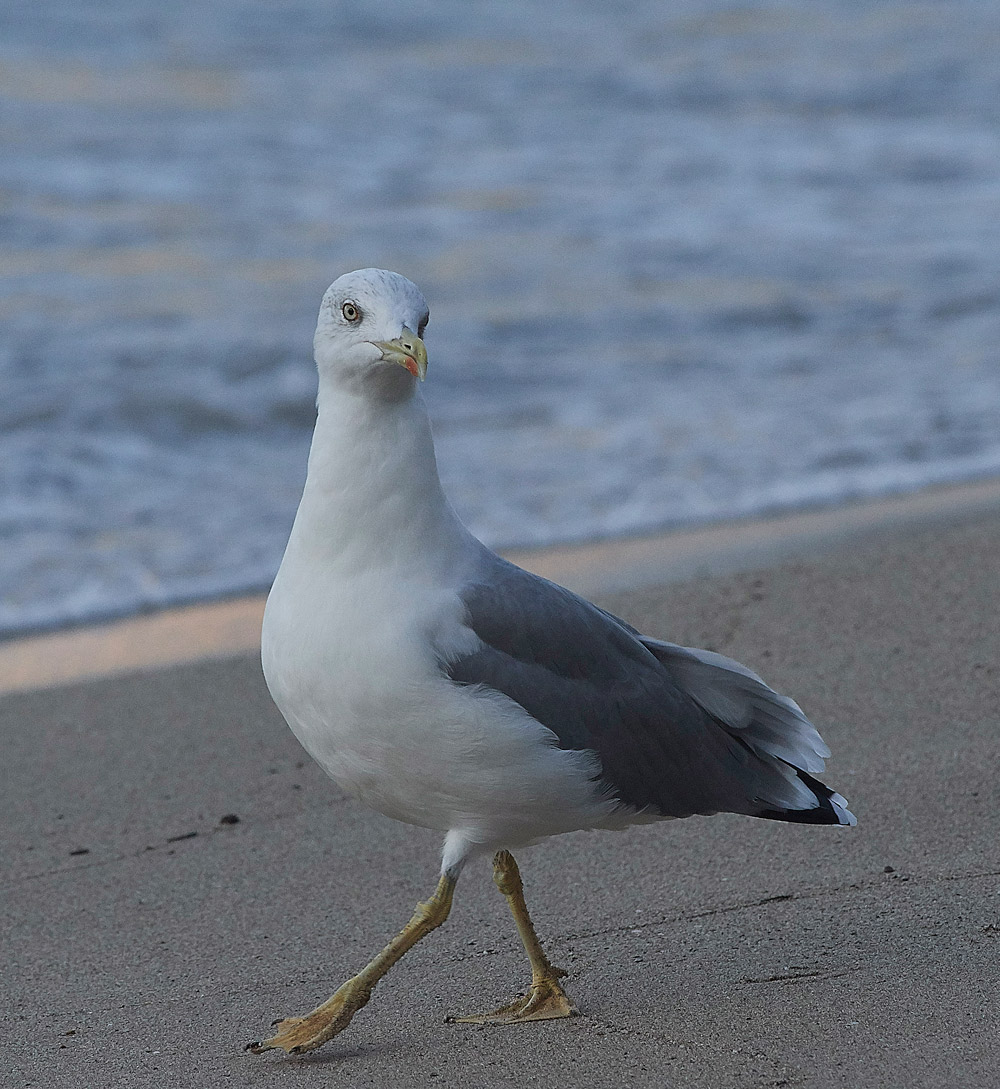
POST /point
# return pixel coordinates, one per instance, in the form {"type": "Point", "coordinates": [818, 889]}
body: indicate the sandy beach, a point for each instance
{"type": "Point", "coordinates": [149, 935]}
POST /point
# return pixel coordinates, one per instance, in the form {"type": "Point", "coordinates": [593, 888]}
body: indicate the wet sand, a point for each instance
{"type": "Point", "coordinates": [147, 940]}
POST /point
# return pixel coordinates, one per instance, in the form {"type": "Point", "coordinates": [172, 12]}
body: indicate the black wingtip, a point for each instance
{"type": "Point", "coordinates": [830, 807]}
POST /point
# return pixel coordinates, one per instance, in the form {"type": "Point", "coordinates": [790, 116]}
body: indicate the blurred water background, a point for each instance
{"type": "Point", "coordinates": [685, 261]}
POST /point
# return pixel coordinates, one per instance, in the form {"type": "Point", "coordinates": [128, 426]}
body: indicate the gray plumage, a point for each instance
{"type": "Point", "coordinates": [677, 731]}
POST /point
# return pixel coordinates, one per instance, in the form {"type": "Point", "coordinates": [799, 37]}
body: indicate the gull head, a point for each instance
{"type": "Point", "coordinates": [369, 330]}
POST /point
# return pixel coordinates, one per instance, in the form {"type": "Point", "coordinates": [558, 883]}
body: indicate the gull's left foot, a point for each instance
{"type": "Point", "coordinates": [296, 1035]}
{"type": "Point", "coordinates": [544, 1001]}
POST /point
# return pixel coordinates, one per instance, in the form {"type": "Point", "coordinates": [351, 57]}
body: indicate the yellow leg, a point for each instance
{"type": "Point", "coordinates": [545, 998]}
{"type": "Point", "coordinates": [298, 1034]}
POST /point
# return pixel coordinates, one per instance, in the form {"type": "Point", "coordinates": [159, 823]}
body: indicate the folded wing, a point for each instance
{"type": "Point", "coordinates": [677, 731]}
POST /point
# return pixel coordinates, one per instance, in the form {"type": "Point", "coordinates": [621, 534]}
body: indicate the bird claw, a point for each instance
{"type": "Point", "coordinates": [282, 1038]}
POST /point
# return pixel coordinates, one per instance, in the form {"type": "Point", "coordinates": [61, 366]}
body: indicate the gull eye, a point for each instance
{"type": "Point", "coordinates": [351, 311]}
{"type": "Point", "coordinates": [422, 326]}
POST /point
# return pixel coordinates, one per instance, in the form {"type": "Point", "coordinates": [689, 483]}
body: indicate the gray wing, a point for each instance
{"type": "Point", "coordinates": [676, 731]}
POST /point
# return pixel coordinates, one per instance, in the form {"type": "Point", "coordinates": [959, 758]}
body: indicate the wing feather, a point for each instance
{"type": "Point", "coordinates": [676, 731]}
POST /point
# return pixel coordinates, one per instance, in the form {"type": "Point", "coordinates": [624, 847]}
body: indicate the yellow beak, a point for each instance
{"type": "Point", "coordinates": [407, 350]}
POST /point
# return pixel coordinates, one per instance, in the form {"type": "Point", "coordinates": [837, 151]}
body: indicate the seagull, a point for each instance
{"type": "Point", "coordinates": [445, 687]}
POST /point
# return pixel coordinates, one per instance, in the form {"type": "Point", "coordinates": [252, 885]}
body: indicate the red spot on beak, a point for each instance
{"type": "Point", "coordinates": [411, 365]}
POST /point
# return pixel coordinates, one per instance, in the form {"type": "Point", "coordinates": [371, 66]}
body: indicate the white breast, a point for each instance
{"type": "Point", "coordinates": [356, 676]}
{"type": "Point", "coordinates": [364, 609]}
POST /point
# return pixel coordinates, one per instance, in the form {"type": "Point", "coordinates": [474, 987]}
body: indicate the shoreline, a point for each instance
{"type": "Point", "coordinates": [219, 629]}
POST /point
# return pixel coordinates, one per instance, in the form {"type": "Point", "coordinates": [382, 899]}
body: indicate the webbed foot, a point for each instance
{"type": "Point", "coordinates": [296, 1035]}
{"type": "Point", "coordinates": [544, 1001]}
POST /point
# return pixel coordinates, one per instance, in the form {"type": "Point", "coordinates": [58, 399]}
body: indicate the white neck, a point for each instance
{"type": "Point", "coordinates": [372, 495]}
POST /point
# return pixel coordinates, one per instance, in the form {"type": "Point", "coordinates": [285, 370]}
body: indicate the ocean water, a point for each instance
{"type": "Point", "coordinates": [685, 262]}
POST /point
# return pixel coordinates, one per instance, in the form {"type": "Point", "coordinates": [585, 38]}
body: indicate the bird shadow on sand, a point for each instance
{"type": "Point", "coordinates": [286, 1065]}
